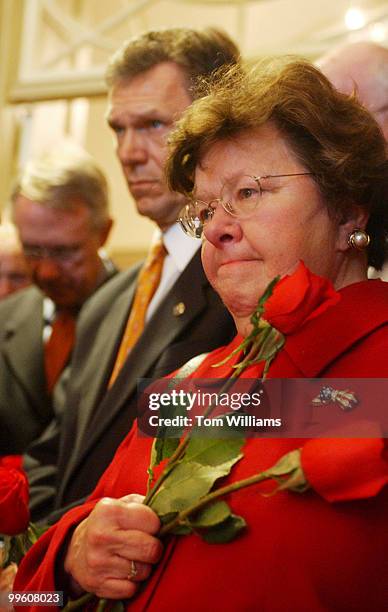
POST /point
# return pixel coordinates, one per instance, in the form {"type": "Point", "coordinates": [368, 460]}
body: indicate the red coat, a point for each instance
{"type": "Point", "coordinates": [321, 550]}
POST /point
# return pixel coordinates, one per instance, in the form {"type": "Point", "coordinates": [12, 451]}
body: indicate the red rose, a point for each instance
{"type": "Point", "coordinates": [14, 513]}
{"type": "Point", "coordinates": [297, 298]}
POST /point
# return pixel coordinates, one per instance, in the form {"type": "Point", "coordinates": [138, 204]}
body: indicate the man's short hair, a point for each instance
{"type": "Point", "coordinates": [198, 53]}
{"type": "Point", "coordinates": [65, 178]}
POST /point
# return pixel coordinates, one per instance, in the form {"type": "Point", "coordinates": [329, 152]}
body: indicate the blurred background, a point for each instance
{"type": "Point", "coordinates": [53, 55]}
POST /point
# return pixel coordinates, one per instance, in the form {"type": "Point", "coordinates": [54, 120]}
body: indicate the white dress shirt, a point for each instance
{"type": "Point", "coordinates": [180, 250]}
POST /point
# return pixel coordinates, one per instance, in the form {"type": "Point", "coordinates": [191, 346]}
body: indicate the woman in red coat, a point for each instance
{"type": "Point", "coordinates": [278, 168]}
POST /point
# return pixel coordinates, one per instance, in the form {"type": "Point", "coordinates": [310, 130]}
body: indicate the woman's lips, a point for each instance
{"type": "Point", "coordinates": [238, 262]}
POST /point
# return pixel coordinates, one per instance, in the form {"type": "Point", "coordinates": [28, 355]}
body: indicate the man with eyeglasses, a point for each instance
{"type": "Point", "coordinates": [60, 209]}
{"type": "Point", "coordinates": [148, 321]}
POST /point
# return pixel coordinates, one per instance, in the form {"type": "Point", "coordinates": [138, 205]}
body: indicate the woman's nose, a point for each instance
{"type": "Point", "coordinates": [222, 228]}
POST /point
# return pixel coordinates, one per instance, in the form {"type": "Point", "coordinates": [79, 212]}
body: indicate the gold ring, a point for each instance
{"type": "Point", "coordinates": [133, 572]}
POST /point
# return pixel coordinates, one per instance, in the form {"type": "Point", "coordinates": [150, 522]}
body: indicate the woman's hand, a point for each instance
{"type": "Point", "coordinates": [114, 548]}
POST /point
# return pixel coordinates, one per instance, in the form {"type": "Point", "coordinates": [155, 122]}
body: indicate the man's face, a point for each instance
{"type": "Point", "coordinates": [61, 248]}
{"type": "Point", "coordinates": [362, 71]}
{"type": "Point", "coordinates": [141, 113]}
{"type": "Point", "coordinates": [14, 273]}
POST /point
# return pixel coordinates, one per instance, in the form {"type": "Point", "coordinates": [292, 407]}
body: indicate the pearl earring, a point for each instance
{"type": "Point", "coordinates": [358, 239]}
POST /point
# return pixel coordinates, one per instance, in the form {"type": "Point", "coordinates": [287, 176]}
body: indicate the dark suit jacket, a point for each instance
{"type": "Point", "coordinates": [95, 421]}
{"type": "Point", "coordinates": [25, 407]}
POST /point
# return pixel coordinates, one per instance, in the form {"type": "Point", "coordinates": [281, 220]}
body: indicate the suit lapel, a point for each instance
{"type": "Point", "coordinates": [102, 350]}
{"type": "Point", "coordinates": [23, 345]}
{"type": "Point", "coordinates": [160, 332]}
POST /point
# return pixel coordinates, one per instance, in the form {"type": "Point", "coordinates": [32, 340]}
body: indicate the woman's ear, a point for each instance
{"type": "Point", "coordinates": [354, 218]}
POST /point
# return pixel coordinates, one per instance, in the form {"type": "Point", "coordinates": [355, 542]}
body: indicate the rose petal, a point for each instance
{"type": "Point", "coordinates": [14, 512]}
{"type": "Point", "coordinates": [298, 298]}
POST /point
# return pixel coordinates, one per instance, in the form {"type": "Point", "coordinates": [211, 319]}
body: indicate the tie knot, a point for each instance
{"type": "Point", "coordinates": [64, 317]}
{"type": "Point", "coordinates": [156, 254]}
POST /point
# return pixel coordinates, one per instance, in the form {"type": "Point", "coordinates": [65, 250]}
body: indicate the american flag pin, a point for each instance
{"type": "Point", "coordinates": [346, 399]}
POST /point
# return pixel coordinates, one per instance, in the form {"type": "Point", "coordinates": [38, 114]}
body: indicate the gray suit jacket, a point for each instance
{"type": "Point", "coordinates": [25, 407]}
{"type": "Point", "coordinates": [71, 457]}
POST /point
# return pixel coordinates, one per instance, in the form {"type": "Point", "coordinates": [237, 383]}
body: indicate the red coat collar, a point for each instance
{"type": "Point", "coordinates": [362, 309]}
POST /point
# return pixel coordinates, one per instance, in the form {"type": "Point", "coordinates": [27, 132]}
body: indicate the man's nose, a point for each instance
{"type": "Point", "coordinates": [46, 269]}
{"type": "Point", "coordinates": [222, 228]}
{"type": "Point", "coordinates": [132, 149]}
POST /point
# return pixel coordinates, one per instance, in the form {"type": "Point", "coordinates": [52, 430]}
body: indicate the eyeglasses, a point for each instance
{"type": "Point", "coordinates": [239, 198]}
{"type": "Point", "coordinates": [62, 255]}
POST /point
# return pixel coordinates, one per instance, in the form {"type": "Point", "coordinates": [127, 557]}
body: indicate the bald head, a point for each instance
{"type": "Point", "coordinates": [361, 66]}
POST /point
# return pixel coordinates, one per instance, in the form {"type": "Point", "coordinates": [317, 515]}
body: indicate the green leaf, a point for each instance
{"type": "Point", "coordinates": [167, 518]}
{"type": "Point", "coordinates": [168, 437]}
{"type": "Point", "coordinates": [35, 531]}
{"type": "Point", "coordinates": [286, 464]}
{"type": "Point", "coordinates": [186, 484]}
{"type": "Point", "coordinates": [118, 606]}
{"type": "Point", "coordinates": [182, 529]}
{"type": "Point", "coordinates": [162, 448]}
{"type": "Point", "coordinates": [211, 515]}
{"type": "Point", "coordinates": [268, 292]}
{"type": "Point", "coordinates": [225, 532]}
{"type": "Point", "coordinates": [79, 604]}
{"type": "Point", "coordinates": [6, 550]}
{"type": "Point", "coordinates": [289, 473]}
{"type": "Point", "coordinates": [214, 451]}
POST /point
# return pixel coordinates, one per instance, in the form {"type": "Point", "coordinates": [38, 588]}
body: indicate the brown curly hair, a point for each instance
{"type": "Point", "coordinates": [331, 134]}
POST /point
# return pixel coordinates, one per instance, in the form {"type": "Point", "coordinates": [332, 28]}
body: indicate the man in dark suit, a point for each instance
{"type": "Point", "coordinates": [60, 208]}
{"type": "Point", "coordinates": [150, 81]}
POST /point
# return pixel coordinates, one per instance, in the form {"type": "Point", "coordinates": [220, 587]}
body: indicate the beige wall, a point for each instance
{"type": "Point", "coordinates": [10, 12]}
{"type": "Point", "coordinates": [27, 129]}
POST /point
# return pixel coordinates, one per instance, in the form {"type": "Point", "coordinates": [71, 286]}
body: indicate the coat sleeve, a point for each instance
{"type": "Point", "coordinates": [344, 469]}
{"type": "Point", "coordinates": [42, 567]}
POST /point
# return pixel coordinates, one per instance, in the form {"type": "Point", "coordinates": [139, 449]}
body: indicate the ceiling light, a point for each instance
{"type": "Point", "coordinates": [354, 19]}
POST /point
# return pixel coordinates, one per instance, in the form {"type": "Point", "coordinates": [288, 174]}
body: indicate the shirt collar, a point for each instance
{"type": "Point", "coordinates": [180, 247]}
{"type": "Point", "coordinates": [48, 311]}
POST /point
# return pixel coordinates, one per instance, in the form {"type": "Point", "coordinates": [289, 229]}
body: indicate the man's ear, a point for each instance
{"type": "Point", "coordinates": [354, 218]}
{"type": "Point", "coordinates": [105, 231]}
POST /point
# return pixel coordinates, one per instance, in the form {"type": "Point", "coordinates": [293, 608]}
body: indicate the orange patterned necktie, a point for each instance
{"type": "Point", "coordinates": [147, 284]}
{"type": "Point", "coordinates": [58, 347]}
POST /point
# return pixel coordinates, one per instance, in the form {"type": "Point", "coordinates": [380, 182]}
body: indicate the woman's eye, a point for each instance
{"type": "Point", "coordinates": [246, 193]}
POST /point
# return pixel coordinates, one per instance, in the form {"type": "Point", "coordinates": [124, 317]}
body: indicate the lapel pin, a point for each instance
{"type": "Point", "coordinates": [346, 399]}
{"type": "Point", "coordinates": [179, 309]}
